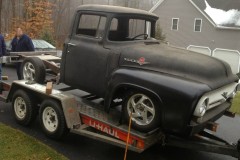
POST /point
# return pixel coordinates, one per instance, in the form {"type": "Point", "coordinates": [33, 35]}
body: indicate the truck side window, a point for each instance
{"type": "Point", "coordinates": [124, 29]}
{"type": "Point", "coordinates": [114, 24]}
{"type": "Point", "coordinates": [117, 33]}
{"type": "Point", "coordinates": [91, 25]}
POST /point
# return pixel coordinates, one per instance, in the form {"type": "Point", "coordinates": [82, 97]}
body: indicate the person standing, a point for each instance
{"type": "Point", "coordinates": [21, 43]}
{"type": "Point", "coordinates": [2, 53]}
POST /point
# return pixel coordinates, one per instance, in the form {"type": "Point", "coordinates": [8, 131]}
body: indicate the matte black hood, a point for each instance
{"type": "Point", "coordinates": [178, 62]}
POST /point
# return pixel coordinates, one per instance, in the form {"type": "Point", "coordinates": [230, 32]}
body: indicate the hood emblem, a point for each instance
{"type": "Point", "coordinates": [141, 61]}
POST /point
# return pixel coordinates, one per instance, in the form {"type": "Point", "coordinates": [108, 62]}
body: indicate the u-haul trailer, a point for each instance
{"type": "Point", "coordinates": [61, 111]}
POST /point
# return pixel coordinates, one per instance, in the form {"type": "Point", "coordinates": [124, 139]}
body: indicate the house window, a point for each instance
{"type": "Point", "coordinates": [175, 22]}
{"type": "Point", "coordinates": [198, 25]}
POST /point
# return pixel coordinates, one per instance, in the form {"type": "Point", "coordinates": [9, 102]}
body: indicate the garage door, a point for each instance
{"type": "Point", "coordinates": [200, 49]}
{"type": "Point", "coordinates": [232, 57]}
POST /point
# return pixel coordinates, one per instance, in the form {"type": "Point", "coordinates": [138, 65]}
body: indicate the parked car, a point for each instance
{"type": "Point", "coordinates": [39, 45]}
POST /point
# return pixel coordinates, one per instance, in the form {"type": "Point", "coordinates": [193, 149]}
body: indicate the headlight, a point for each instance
{"type": "Point", "coordinates": [215, 98]}
{"type": "Point", "coordinates": [203, 108]}
{"type": "Point", "coordinates": [233, 94]}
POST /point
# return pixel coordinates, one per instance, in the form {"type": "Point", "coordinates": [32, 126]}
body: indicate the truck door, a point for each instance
{"type": "Point", "coordinates": [86, 58]}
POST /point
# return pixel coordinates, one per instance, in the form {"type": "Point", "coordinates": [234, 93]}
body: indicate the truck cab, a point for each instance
{"type": "Point", "coordinates": [97, 33]}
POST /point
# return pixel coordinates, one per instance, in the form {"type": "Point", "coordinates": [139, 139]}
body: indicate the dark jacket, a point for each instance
{"type": "Point", "coordinates": [2, 46]}
{"type": "Point", "coordinates": [23, 44]}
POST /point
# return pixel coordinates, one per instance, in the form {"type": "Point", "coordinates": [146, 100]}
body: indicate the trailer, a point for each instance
{"type": "Point", "coordinates": [62, 111]}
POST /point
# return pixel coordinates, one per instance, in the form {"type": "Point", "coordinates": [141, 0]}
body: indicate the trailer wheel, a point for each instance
{"type": "Point", "coordinates": [145, 111]}
{"type": "Point", "coordinates": [33, 69]}
{"type": "Point", "coordinates": [52, 119]}
{"type": "Point", "coordinates": [23, 107]}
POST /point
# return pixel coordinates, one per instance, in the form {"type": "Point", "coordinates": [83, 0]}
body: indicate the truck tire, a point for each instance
{"type": "Point", "coordinates": [145, 111]}
{"type": "Point", "coordinates": [52, 119]}
{"type": "Point", "coordinates": [33, 69]}
{"type": "Point", "coordinates": [24, 108]}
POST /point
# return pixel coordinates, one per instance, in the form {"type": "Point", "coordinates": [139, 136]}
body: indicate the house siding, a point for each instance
{"type": "Point", "coordinates": [209, 36]}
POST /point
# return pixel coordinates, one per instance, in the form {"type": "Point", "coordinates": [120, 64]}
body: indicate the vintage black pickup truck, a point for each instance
{"type": "Point", "coordinates": [112, 52]}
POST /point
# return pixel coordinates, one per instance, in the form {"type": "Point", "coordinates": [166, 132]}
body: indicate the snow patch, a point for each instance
{"type": "Point", "coordinates": [221, 17]}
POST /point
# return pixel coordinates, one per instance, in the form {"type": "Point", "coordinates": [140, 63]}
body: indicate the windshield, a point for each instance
{"type": "Point", "coordinates": [41, 44]}
{"type": "Point", "coordinates": [130, 29]}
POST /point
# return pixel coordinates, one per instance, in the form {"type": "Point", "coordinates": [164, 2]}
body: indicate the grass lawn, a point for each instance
{"type": "Point", "coordinates": [16, 145]}
{"type": "Point", "coordinates": [236, 104]}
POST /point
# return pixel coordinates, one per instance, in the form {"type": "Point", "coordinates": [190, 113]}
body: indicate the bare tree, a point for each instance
{"type": "Point", "coordinates": [0, 15]}
{"type": "Point", "coordinates": [12, 12]}
{"type": "Point", "coordinates": [13, 4]}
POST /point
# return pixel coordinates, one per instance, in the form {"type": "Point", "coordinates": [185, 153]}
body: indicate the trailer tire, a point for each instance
{"type": "Point", "coordinates": [52, 119]}
{"type": "Point", "coordinates": [24, 108]}
{"type": "Point", "coordinates": [145, 115]}
{"type": "Point", "coordinates": [33, 69]}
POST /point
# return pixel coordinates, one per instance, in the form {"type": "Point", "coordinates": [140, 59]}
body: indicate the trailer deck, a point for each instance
{"type": "Point", "coordinates": [92, 116]}
{"type": "Point", "coordinates": [89, 119]}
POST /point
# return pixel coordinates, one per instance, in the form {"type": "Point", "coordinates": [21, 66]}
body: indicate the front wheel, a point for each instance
{"type": "Point", "coordinates": [52, 119]}
{"type": "Point", "coordinates": [144, 109]}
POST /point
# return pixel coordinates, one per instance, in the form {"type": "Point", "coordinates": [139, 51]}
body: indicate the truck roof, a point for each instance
{"type": "Point", "coordinates": [116, 9]}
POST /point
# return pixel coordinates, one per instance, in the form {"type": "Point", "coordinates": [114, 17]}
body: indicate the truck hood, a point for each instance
{"type": "Point", "coordinates": [178, 62]}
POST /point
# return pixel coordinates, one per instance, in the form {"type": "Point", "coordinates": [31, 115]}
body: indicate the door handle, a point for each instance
{"type": "Point", "coordinates": [71, 44]}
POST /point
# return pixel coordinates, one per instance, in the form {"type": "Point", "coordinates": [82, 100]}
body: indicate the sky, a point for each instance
{"type": "Point", "coordinates": [221, 17]}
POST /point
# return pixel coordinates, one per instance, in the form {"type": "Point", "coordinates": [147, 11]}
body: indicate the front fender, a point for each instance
{"type": "Point", "coordinates": [178, 97]}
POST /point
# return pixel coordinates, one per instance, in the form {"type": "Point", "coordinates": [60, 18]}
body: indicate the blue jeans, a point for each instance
{"type": "Point", "coordinates": [18, 69]}
{"type": "Point", "coordinates": [0, 71]}
{"type": "Point", "coordinates": [0, 77]}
